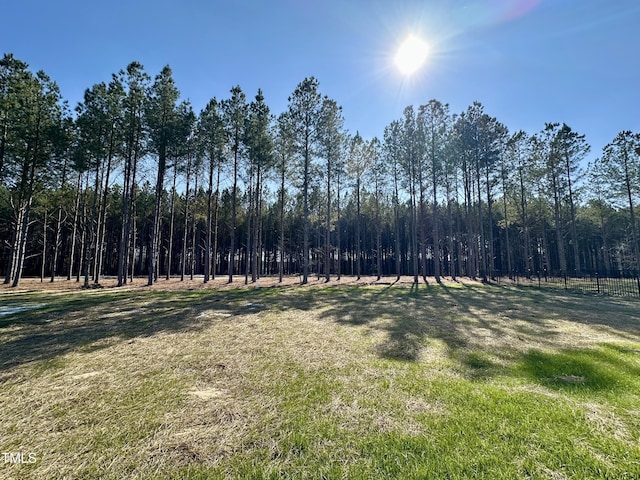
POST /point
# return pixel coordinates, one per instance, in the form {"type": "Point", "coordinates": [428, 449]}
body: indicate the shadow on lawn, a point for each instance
{"type": "Point", "coordinates": [478, 322]}
{"type": "Point", "coordinates": [475, 322]}
{"type": "Point", "coordinates": [605, 368]}
{"type": "Point", "coordinates": [84, 321]}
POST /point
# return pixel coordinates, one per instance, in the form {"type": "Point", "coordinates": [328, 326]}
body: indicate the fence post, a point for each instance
{"type": "Point", "coordinates": [538, 278]}
{"type": "Point", "coordinates": [598, 282]}
{"type": "Point", "coordinates": [565, 280]}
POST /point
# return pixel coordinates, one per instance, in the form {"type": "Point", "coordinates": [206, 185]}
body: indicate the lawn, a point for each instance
{"type": "Point", "coordinates": [460, 380]}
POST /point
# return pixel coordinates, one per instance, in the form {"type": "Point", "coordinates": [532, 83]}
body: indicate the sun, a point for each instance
{"type": "Point", "coordinates": [411, 55]}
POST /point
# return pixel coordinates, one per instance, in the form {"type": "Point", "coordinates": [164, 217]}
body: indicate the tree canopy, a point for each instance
{"type": "Point", "coordinates": [135, 183]}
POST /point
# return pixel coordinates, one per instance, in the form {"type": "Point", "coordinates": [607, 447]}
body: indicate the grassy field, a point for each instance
{"type": "Point", "coordinates": [343, 381]}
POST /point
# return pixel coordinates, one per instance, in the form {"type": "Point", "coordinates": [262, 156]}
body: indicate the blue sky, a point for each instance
{"type": "Point", "coordinates": [527, 61]}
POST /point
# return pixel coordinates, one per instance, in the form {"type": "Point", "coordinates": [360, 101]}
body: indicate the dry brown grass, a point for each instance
{"type": "Point", "coordinates": [148, 382]}
{"type": "Point", "coordinates": [213, 375]}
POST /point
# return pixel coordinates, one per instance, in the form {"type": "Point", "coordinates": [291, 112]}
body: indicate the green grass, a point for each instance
{"type": "Point", "coordinates": [452, 381]}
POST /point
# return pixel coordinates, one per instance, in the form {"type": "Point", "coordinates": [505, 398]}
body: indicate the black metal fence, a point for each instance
{"type": "Point", "coordinates": [622, 286]}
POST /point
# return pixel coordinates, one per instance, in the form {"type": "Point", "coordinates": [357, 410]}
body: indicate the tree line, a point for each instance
{"type": "Point", "coordinates": [134, 182]}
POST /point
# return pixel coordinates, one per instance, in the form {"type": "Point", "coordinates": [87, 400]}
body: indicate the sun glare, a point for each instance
{"type": "Point", "coordinates": [411, 55]}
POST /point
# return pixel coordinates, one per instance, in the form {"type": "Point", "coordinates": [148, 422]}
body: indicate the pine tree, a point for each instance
{"type": "Point", "coordinates": [621, 161]}
{"type": "Point", "coordinates": [260, 153]}
{"type": "Point", "coordinates": [331, 139]}
{"type": "Point", "coordinates": [235, 114]}
{"type": "Point", "coordinates": [212, 140]}
{"type": "Point", "coordinates": [410, 161]}
{"type": "Point", "coordinates": [360, 157]}
{"type": "Point", "coordinates": [571, 149]}
{"type": "Point", "coordinates": [393, 153]}
{"type": "Point", "coordinates": [32, 117]}
{"type": "Point", "coordinates": [434, 121]}
{"type": "Point", "coordinates": [377, 175]}
{"type": "Point", "coordinates": [134, 134]}
{"type": "Point", "coordinates": [304, 111]}
{"type": "Point", "coordinates": [161, 118]}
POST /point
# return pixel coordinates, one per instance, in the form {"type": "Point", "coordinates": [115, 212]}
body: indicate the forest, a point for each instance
{"type": "Point", "coordinates": [132, 182]}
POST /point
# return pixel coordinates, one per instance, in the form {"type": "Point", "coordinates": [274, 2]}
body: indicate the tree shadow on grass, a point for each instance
{"type": "Point", "coordinates": [602, 369]}
{"type": "Point", "coordinates": [479, 324]}
{"type": "Point", "coordinates": [83, 322]}
{"type": "Point", "coordinates": [409, 316]}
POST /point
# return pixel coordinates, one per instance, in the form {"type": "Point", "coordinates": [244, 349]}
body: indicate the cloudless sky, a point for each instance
{"type": "Point", "coordinates": [527, 61]}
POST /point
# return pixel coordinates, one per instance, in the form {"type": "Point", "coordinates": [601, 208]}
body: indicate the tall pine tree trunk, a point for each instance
{"type": "Point", "coordinates": [90, 228]}
{"type": "Point", "coordinates": [24, 206]}
{"type": "Point", "coordinates": [215, 220]}
{"type": "Point", "coordinates": [327, 229]}
{"type": "Point", "coordinates": [58, 228]}
{"type": "Point", "coordinates": [127, 238]}
{"type": "Point", "coordinates": [154, 241]}
{"type": "Point", "coordinates": [471, 234]}
{"type": "Point", "coordinates": [171, 223]}
{"type": "Point", "coordinates": [207, 258]}
{"type": "Point", "coordinates": [506, 221]}
{"type": "Point", "coordinates": [574, 229]}
{"type": "Point", "coordinates": [338, 236]}
{"type": "Point", "coordinates": [558, 228]}
{"type": "Point", "coordinates": [281, 236]}
{"type": "Point", "coordinates": [436, 231]}
{"type": "Point", "coordinates": [22, 227]}
{"type": "Point", "coordinates": [234, 193]}
{"type": "Point", "coordinates": [305, 201]}
{"type": "Point", "coordinates": [102, 214]}
{"type": "Point", "coordinates": [248, 251]}
{"type": "Point", "coordinates": [193, 232]}
{"type": "Point", "coordinates": [378, 240]}
{"type": "Point", "coordinates": [396, 223]}
{"type": "Point", "coordinates": [186, 224]}
{"type": "Point", "coordinates": [255, 244]}
{"type": "Point", "coordinates": [414, 234]}
{"type": "Point", "coordinates": [491, 249]}
{"type": "Point", "coordinates": [358, 228]}
{"type": "Point", "coordinates": [525, 227]}
{"type": "Point", "coordinates": [422, 220]}
{"type": "Point", "coordinates": [452, 255]}
{"type": "Point", "coordinates": [123, 247]}
{"type": "Point", "coordinates": [634, 226]}
{"type": "Point", "coordinates": [45, 227]}
{"type": "Point", "coordinates": [482, 252]}
{"type": "Point", "coordinates": [84, 230]}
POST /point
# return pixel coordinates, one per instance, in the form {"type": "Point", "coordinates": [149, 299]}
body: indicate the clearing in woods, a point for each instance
{"type": "Point", "coordinates": [341, 380]}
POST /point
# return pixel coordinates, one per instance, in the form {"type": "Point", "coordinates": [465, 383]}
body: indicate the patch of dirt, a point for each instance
{"type": "Point", "coordinates": [209, 393]}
